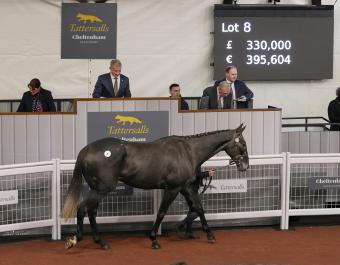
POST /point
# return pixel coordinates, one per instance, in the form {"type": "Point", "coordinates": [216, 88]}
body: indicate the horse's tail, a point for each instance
{"type": "Point", "coordinates": [73, 194]}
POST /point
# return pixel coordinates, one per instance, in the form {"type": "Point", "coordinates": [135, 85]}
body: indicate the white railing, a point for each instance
{"type": "Point", "coordinates": [276, 186]}
{"type": "Point", "coordinates": [35, 184]}
{"type": "Point", "coordinates": [301, 198]}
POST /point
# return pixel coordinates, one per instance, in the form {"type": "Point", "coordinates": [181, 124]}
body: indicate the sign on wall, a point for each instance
{"type": "Point", "coordinates": [137, 126]}
{"type": "Point", "coordinates": [227, 186]}
{"type": "Point", "coordinates": [322, 183]}
{"type": "Point", "coordinates": [8, 197]}
{"type": "Point", "coordinates": [89, 31]}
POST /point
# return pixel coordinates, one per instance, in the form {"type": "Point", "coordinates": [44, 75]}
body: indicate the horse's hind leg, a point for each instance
{"type": "Point", "coordinates": [80, 221]}
{"type": "Point", "coordinates": [194, 202]}
{"type": "Point", "coordinates": [184, 228]}
{"type": "Point", "coordinates": [92, 203]}
{"type": "Point", "coordinates": [168, 197]}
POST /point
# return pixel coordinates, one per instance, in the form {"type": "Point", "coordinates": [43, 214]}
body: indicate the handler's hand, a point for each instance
{"type": "Point", "coordinates": [242, 98]}
{"type": "Point", "coordinates": [212, 172]}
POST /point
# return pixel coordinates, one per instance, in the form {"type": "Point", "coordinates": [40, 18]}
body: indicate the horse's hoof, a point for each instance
{"type": "Point", "coordinates": [104, 246]}
{"type": "Point", "coordinates": [180, 230]}
{"type": "Point", "coordinates": [70, 242]}
{"type": "Point", "coordinates": [211, 238]}
{"type": "Point", "coordinates": [155, 245]}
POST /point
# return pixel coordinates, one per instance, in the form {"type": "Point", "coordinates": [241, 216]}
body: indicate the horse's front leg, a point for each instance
{"type": "Point", "coordinates": [168, 198]}
{"type": "Point", "coordinates": [194, 202]}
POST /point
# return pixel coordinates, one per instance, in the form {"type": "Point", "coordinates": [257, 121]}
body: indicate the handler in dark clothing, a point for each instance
{"type": "Point", "coordinates": [36, 99]}
{"type": "Point", "coordinates": [334, 111]}
{"type": "Point", "coordinates": [184, 228]}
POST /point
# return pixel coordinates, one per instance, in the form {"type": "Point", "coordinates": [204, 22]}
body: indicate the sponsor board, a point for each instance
{"type": "Point", "coordinates": [227, 186]}
{"type": "Point", "coordinates": [8, 197]}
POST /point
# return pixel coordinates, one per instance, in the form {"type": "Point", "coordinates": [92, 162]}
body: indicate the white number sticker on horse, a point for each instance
{"type": "Point", "coordinates": [107, 153]}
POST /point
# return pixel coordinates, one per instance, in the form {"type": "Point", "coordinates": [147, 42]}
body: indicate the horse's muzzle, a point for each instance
{"type": "Point", "coordinates": [241, 162]}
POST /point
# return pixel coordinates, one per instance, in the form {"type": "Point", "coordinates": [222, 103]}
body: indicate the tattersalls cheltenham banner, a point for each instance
{"type": "Point", "coordinates": [89, 31]}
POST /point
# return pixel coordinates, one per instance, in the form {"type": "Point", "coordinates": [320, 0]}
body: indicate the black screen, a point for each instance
{"type": "Point", "coordinates": [274, 42]}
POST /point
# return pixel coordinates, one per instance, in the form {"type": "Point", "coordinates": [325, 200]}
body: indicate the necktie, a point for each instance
{"type": "Point", "coordinates": [220, 102]}
{"type": "Point", "coordinates": [115, 87]}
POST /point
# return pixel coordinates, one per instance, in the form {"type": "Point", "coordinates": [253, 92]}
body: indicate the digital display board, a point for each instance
{"type": "Point", "coordinates": [275, 42]}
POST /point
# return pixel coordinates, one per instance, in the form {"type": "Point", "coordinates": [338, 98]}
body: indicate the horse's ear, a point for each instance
{"type": "Point", "coordinates": [243, 128]}
{"type": "Point", "coordinates": [239, 129]}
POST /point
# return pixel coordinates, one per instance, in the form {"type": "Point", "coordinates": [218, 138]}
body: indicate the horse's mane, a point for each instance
{"type": "Point", "coordinates": [186, 137]}
{"type": "Point", "coordinates": [204, 134]}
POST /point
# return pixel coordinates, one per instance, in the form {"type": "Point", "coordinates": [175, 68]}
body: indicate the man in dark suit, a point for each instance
{"type": "Point", "coordinates": [219, 96]}
{"type": "Point", "coordinates": [36, 99]}
{"type": "Point", "coordinates": [113, 84]}
{"type": "Point", "coordinates": [241, 94]}
{"type": "Point", "coordinates": [175, 92]}
{"type": "Point", "coordinates": [334, 111]}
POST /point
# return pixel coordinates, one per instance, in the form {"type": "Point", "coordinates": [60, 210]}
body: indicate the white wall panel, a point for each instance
{"type": "Point", "coordinates": [334, 143]}
{"type": "Point", "coordinates": [129, 105]}
{"type": "Point", "coordinates": [116, 105]}
{"type": "Point", "coordinates": [105, 106]}
{"type": "Point", "coordinates": [68, 132]}
{"type": "Point", "coordinates": [176, 119]}
{"type": "Point", "coordinates": [57, 136]}
{"type": "Point", "coordinates": [140, 105]}
{"type": "Point", "coordinates": [257, 140]}
{"type": "Point", "coordinates": [211, 121]}
{"type": "Point", "coordinates": [44, 137]}
{"type": "Point", "coordinates": [199, 120]}
{"type": "Point", "coordinates": [268, 133]}
{"type": "Point", "coordinates": [223, 120]}
{"type": "Point", "coordinates": [81, 126]}
{"type": "Point", "coordinates": [32, 149]}
{"type": "Point", "coordinates": [234, 120]}
{"type": "Point", "coordinates": [315, 142]}
{"type": "Point", "coordinates": [152, 105]}
{"type": "Point", "coordinates": [304, 142]}
{"type": "Point", "coordinates": [20, 139]}
{"type": "Point", "coordinates": [188, 124]}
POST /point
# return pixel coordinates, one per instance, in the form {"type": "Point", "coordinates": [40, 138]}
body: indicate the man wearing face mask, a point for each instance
{"type": "Point", "coordinates": [241, 94]}
{"type": "Point", "coordinates": [37, 99]}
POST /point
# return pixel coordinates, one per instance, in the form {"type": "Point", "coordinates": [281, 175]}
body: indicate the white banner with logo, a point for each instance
{"type": "Point", "coordinates": [8, 197]}
{"type": "Point", "coordinates": [227, 186]}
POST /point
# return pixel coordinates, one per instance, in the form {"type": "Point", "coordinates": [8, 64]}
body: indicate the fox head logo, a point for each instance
{"type": "Point", "coordinates": [85, 18]}
{"type": "Point", "coordinates": [124, 119]}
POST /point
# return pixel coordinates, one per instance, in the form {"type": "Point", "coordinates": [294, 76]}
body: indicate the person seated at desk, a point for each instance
{"type": "Point", "coordinates": [113, 84]}
{"type": "Point", "coordinates": [334, 111]}
{"type": "Point", "coordinates": [240, 92]}
{"type": "Point", "coordinates": [37, 99]}
{"type": "Point", "coordinates": [219, 97]}
{"type": "Point", "coordinates": [175, 92]}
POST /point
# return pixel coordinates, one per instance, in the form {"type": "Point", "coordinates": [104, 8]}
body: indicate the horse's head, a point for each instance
{"type": "Point", "coordinates": [236, 148]}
